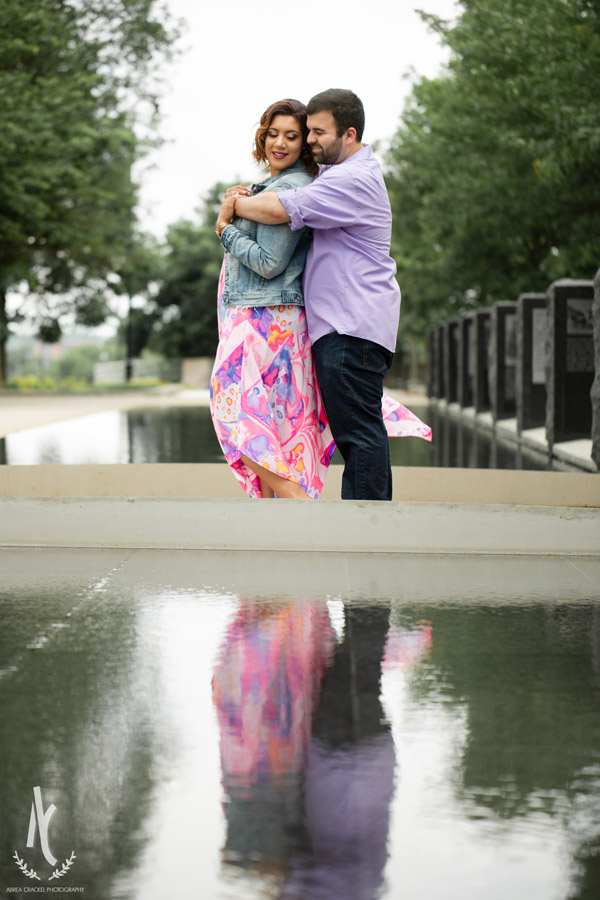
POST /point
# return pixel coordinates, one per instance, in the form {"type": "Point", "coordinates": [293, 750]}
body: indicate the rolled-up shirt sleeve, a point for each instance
{"type": "Point", "coordinates": [331, 201]}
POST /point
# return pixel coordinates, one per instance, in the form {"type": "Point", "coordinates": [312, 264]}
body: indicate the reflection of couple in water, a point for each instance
{"type": "Point", "coordinates": [306, 753]}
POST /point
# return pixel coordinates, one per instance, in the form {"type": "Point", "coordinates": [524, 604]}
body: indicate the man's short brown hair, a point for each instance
{"type": "Point", "coordinates": [345, 107]}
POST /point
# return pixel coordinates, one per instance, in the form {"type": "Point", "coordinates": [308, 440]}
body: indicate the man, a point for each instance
{"type": "Point", "coordinates": [351, 294]}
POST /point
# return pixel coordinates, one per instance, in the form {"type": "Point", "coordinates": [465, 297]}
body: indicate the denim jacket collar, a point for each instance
{"type": "Point", "coordinates": [261, 185]}
{"type": "Point", "coordinates": [264, 263]}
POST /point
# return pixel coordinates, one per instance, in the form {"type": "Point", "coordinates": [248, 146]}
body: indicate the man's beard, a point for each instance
{"type": "Point", "coordinates": [330, 156]}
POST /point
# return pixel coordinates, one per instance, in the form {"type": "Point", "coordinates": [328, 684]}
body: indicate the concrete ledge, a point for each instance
{"type": "Point", "coordinates": [203, 481]}
{"type": "Point", "coordinates": [287, 525]}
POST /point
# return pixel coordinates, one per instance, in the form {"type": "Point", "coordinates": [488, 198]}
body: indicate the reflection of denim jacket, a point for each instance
{"type": "Point", "coordinates": [264, 263]}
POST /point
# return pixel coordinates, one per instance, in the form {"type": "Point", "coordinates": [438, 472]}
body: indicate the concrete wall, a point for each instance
{"type": "Point", "coordinates": [272, 526]}
{"type": "Point", "coordinates": [196, 372]}
{"type": "Point", "coordinates": [201, 507]}
{"type": "Point", "coordinates": [207, 481]}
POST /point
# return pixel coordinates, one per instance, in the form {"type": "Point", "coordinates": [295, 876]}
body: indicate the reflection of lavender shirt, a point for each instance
{"type": "Point", "coordinates": [349, 279]}
{"type": "Point", "coordinates": [347, 795]}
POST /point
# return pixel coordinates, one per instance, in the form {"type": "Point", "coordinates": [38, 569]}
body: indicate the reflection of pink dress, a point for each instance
{"type": "Point", "coordinates": [266, 686]}
{"type": "Point", "coordinates": [265, 401]}
{"type": "Point", "coordinates": [407, 646]}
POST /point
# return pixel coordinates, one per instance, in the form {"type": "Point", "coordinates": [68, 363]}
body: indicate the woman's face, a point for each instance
{"type": "Point", "coordinates": [283, 143]}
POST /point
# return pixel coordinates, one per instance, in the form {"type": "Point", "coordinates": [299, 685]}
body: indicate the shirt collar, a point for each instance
{"type": "Point", "coordinates": [363, 153]}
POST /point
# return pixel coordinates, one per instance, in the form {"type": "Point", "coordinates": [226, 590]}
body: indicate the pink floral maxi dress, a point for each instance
{"type": "Point", "coordinates": [265, 401]}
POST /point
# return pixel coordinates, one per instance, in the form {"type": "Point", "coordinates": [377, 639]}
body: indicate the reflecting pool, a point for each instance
{"type": "Point", "coordinates": [186, 435]}
{"type": "Point", "coordinates": [316, 727]}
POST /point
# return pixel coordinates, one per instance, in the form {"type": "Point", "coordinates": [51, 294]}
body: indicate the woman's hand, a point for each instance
{"type": "Point", "coordinates": [238, 190]}
{"type": "Point", "coordinates": [226, 214]}
{"type": "Point", "coordinates": [227, 211]}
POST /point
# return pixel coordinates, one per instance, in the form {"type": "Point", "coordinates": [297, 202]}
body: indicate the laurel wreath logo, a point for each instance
{"type": "Point", "coordinates": [31, 873]}
{"type": "Point", "coordinates": [66, 866]}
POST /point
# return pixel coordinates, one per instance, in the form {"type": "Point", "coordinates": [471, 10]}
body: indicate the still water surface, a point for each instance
{"type": "Point", "coordinates": [202, 736]}
{"type": "Point", "coordinates": [186, 435]}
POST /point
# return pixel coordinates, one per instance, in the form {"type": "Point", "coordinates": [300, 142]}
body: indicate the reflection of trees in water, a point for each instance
{"type": "Point", "coordinates": [529, 681]}
{"type": "Point", "coordinates": [176, 434]}
{"type": "Point", "coordinates": [77, 723]}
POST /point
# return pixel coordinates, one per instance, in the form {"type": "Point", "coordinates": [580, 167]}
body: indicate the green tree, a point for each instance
{"type": "Point", "coordinates": [493, 170]}
{"type": "Point", "coordinates": [76, 363]}
{"type": "Point", "coordinates": [139, 274]}
{"type": "Point", "coordinates": [22, 361]}
{"type": "Point", "coordinates": [188, 294]}
{"type": "Point", "coordinates": [78, 97]}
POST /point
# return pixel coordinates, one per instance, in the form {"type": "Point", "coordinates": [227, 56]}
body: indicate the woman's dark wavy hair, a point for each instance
{"type": "Point", "coordinates": [284, 108]}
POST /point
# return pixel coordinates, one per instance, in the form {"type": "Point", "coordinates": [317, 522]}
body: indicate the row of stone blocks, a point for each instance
{"type": "Point", "coordinates": [536, 360]}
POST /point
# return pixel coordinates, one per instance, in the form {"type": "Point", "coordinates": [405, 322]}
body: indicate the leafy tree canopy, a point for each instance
{"type": "Point", "coordinates": [188, 295]}
{"type": "Point", "coordinates": [78, 95]}
{"type": "Point", "coordinates": [493, 170]}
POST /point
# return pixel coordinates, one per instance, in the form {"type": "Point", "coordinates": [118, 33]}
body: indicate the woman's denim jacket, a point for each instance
{"type": "Point", "coordinates": [264, 263]}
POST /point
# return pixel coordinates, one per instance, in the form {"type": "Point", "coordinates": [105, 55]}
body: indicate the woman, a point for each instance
{"type": "Point", "coordinates": [265, 403]}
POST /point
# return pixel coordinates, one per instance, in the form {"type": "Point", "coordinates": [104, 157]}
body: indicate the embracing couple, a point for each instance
{"type": "Point", "coordinates": [308, 309]}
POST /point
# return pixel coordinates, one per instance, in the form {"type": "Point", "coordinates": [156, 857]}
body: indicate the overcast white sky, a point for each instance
{"type": "Point", "coordinates": [240, 56]}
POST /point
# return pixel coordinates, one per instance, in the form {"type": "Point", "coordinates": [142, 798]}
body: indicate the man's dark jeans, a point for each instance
{"type": "Point", "coordinates": [351, 372]}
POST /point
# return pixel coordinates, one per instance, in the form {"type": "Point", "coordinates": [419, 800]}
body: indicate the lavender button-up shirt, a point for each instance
{"type": "Point", "coordinates": [349, 280]}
